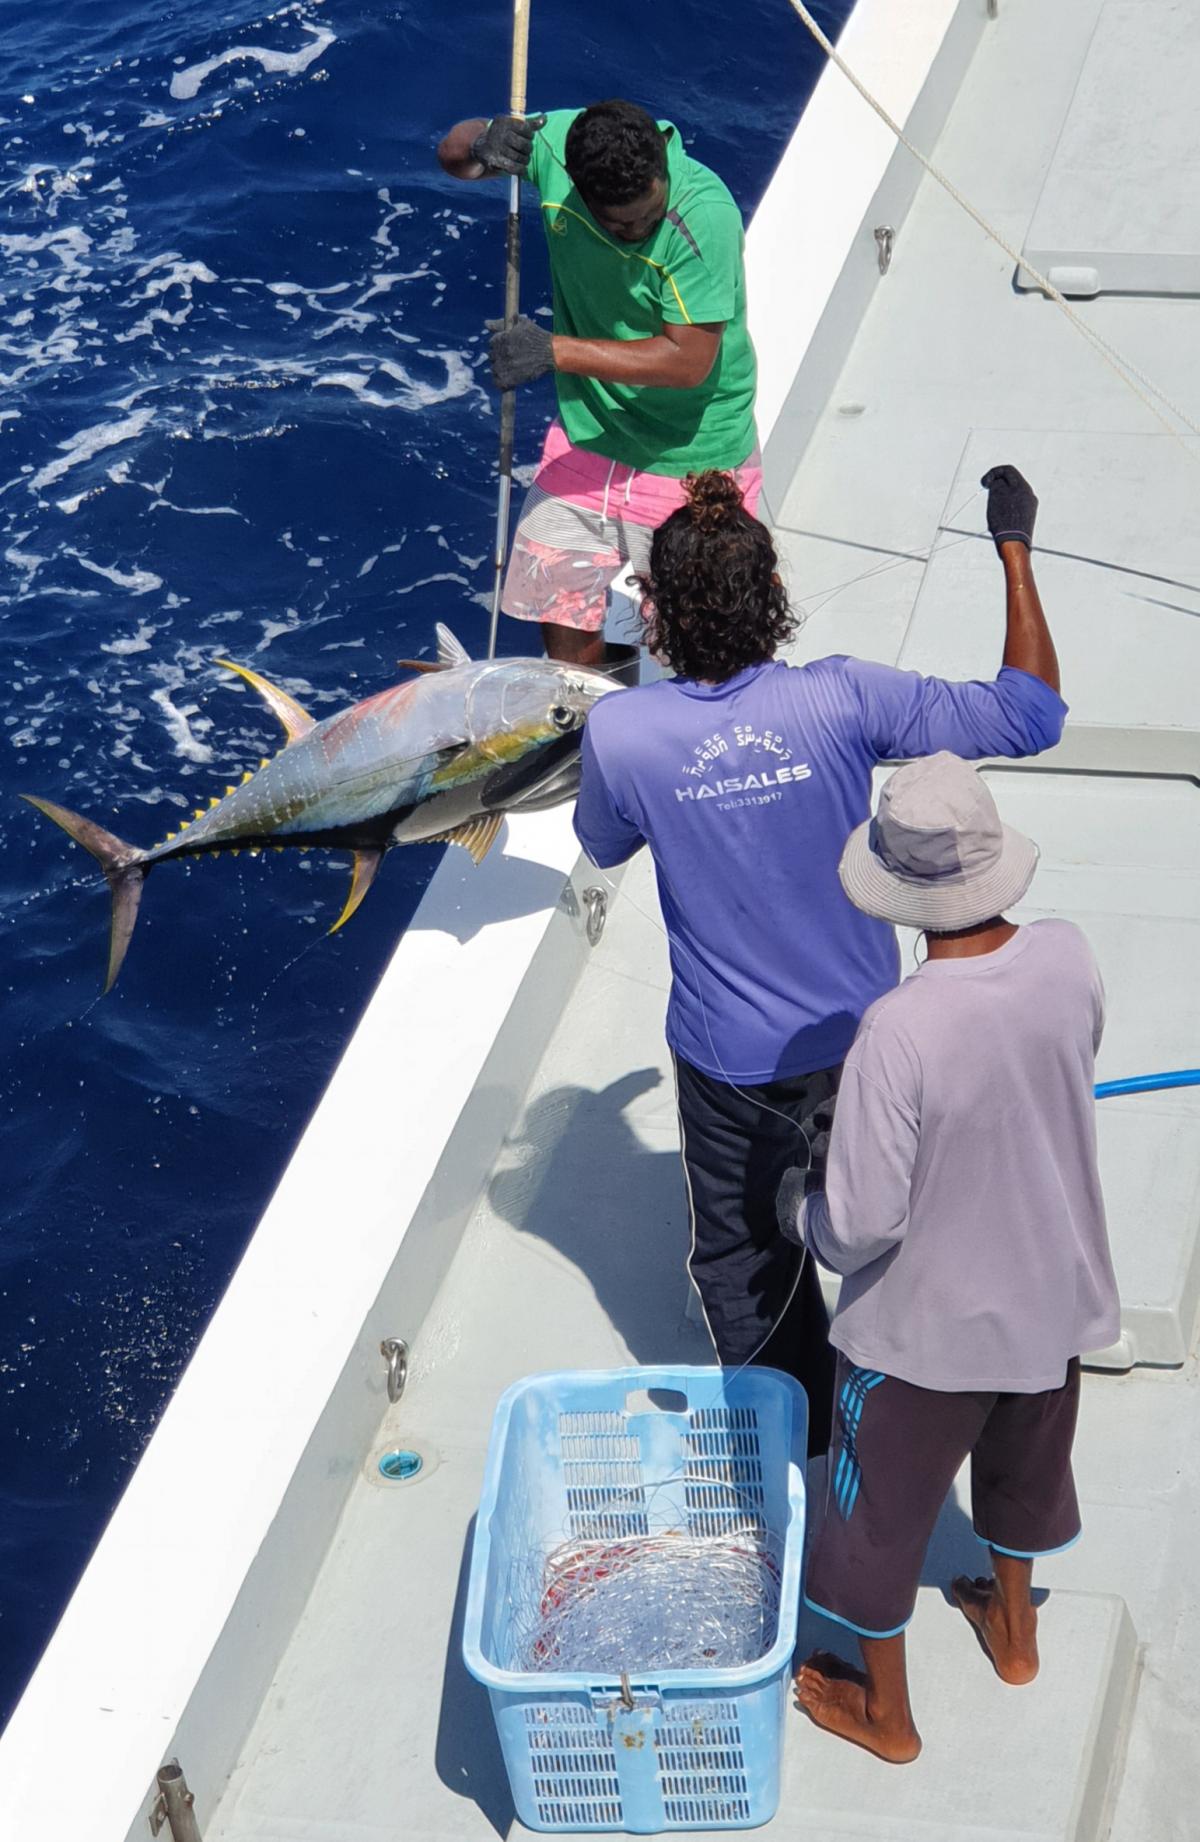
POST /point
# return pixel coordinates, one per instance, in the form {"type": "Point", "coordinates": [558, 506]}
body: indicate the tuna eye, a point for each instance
{"type": "Point", "coordinates": [561, 717]}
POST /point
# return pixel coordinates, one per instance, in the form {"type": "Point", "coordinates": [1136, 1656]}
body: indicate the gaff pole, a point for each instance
{"type": "Point", "coordinates": [512, 306]}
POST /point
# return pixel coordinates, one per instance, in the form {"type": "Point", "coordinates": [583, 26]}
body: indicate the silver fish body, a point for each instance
{"type": "Point", "coordinates": [442, 755]}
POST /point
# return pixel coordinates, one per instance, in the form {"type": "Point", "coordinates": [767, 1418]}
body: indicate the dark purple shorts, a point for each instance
{"type": "Point", "coordinates": [894, 1455]}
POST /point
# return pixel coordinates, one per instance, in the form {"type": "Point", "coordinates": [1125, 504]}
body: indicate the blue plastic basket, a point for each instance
{"type": "Point", "coordinates": [617, 1453]}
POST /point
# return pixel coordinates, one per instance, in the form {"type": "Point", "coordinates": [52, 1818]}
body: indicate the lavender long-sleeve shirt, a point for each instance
{"type": "Point", "coordinates": [963, 1203]}
{"type": "Point", "coordinates": [746, 792]}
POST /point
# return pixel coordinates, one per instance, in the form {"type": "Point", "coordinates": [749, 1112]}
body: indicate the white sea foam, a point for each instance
{"type": "Point", "coordinates": [49, 184]}
{"type": "Point", "coordinates": [91, 441]}
{"type": "Point", "coordinates": [181, 729]}
{"type": "Point", "coordinates": [383, 284]}
{"type": "Point", "coordinates": [198, 511]}
{"type": "Point", "coordinates": [186, 83]}
{"type": "Point", "coordinates": [137, 581]}
{"type": "Point", "coordinates": [413, 393]}
{"type": "Point", "coordinates": [140, 642]}
{"type": "Point", "coordinates": [156, 317]}
{"type": "Point", "coordinates": [25, 560]}
{"type": "Point", "coordinates": [396, 208]}
{"type": "Point", "coordinates": [69, 244]}
{"type": "Point", "coordinates": [293, 287]}
{"type": "Point", "coordinates": [179, 275]}
{"type": "Point", "coordinates": [444, 575]}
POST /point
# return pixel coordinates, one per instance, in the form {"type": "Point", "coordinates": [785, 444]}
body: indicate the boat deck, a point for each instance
{"type": "Point", "coordinates": [574, 1257]}
{"type": "Point", "coordinates": [372, 1727]}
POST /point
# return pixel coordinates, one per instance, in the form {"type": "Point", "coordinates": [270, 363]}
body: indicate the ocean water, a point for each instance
{"type": "Point", "coordinates": [241, 413]}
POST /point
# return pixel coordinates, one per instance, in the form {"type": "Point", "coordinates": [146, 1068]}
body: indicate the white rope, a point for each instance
{"type": "Point", "coordinates": [1128, 372]}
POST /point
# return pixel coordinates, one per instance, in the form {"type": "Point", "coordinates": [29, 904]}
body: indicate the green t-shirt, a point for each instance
{"type": "Point", "coordinates": [689, 271]}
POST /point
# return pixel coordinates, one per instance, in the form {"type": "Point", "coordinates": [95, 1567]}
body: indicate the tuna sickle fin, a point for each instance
{"type": "Point", "coordinates": [450, 650]}
{"type": "Point", "coordinates": [361, 877]}
{"type": "Point", "coordinates": [476, 836]}
{"type": "Point", "coordinates": [122, 865]}
{"type": "Point", "coordinates": [295, 719]}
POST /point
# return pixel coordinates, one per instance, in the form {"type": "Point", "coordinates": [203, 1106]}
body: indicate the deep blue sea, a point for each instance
{"type": "Point", "coordinates": [241, 413]}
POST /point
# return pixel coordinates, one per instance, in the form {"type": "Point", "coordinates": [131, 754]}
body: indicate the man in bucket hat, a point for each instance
{"type": "Point", "coordinates": [963, 1209]}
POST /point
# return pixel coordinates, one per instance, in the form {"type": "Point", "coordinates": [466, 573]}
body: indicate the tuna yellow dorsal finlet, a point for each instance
{"type": "Point", "coordinates": [295, 719]}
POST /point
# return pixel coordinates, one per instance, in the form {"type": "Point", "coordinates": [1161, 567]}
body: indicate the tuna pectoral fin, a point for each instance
{"type": "Point", "coordinates": [295, 719]}
{"type": "Point", "coordinates": [361, 877]}
{"type": "Point", "coordinates": [421, 665]}
{"type": "Point", "coordinates": [122, 865]}
{"type": "Point", "coordinates": [476, 836]}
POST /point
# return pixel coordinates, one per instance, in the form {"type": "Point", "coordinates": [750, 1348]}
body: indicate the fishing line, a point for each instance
{"type": "Point", "coordinates": [753, 1099]}
{"type": "Point", "coordinates": [319, 939]}
{"type": "Point", "coordinates": [616, 1597]}
{"type": "Point", "coordinates": [824, 596]}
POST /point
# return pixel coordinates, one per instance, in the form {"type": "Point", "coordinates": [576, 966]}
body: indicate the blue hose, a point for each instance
{"type": "Point", "coordinates": [1149, 1084]}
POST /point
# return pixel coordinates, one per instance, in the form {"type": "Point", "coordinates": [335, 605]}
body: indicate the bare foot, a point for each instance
{"type": "Point", "coordinates": [834, 1696]}
{"type": "Point", "coordinates": [1012, 1650]}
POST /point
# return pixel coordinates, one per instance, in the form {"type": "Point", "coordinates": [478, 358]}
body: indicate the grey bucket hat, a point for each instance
{"type": "Point", "coordinates": [936, 854]}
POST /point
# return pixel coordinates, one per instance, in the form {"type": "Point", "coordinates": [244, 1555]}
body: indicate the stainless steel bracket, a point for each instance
{"type": "Point", "coordinates": [596, 903]}
{"type": "Point", "coordinates": [395, 1353]}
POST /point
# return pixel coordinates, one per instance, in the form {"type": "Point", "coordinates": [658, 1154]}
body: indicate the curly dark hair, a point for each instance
{"type": "Point", "coordinates": [714, 601]}
{"type": "Point", "coordinates": [615, 152]}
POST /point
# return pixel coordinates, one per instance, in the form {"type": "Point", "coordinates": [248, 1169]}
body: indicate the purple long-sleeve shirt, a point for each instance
{"type": "Point", "coordinates": [746, 793]}
{"type": "Point", "coordinates": [962, 1202]}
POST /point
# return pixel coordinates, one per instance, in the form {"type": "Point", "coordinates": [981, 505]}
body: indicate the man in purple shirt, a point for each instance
{"type": "Point", "coordinates": [963, 1209]}
{"type": "Point", "coordinates": [745, 777]}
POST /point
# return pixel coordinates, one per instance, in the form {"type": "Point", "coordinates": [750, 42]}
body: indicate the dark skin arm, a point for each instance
{"type": "Point", "coordinates": [1027, 643]}
{"type": "Point", "coordinates": [677, 358]}
{"type": "Point", "coordinates": [454, 151]}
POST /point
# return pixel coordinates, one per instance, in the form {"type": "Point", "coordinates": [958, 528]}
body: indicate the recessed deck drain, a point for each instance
{"type": "Point", "coordinates": [398, 1466]}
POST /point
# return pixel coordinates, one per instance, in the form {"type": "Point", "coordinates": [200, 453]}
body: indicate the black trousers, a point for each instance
{"type": "Point", "coordinates": [737, 1142]}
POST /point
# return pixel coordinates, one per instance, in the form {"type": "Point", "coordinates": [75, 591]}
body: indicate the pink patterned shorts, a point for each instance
{"type": "Point", "coordinates": [585, 519]}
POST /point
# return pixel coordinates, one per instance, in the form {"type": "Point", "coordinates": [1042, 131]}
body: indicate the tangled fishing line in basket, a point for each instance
{"type": "Point", "coordinates": [666, 1601]}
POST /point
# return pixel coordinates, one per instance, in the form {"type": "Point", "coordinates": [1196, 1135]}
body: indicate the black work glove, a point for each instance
{"type": "Point", "coordinates": [520, 352]}
{"type": "Point", "coordinates": [789, 1201]}
{"type": "Point", "coordinates": [1011, 507]}
{"type": "Point", "coordinates": [506, 143]}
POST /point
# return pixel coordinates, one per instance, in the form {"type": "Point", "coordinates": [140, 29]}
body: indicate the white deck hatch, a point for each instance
{"type": "Point", "coordinates": [1118, 210]}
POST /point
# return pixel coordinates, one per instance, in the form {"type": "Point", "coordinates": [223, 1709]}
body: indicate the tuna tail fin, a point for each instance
{"type": "Point", "coordinates": [122, 865]}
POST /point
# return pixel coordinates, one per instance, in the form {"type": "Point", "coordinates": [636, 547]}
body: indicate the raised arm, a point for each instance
{"type": "Point", "coordinates": [1011, 512]}
{"type": "Point", "coordinates": [1019, 712]}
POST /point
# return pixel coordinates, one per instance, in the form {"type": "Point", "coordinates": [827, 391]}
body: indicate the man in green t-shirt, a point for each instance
{"type": "Point", "coordinates": [653, 363]}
